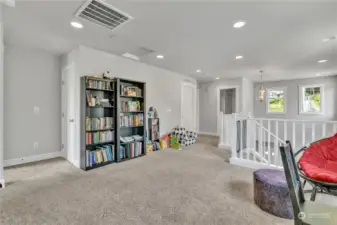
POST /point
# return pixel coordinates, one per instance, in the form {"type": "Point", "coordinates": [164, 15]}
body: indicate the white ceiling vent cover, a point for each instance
{"type": "Point", "coordinates": [103, 14]}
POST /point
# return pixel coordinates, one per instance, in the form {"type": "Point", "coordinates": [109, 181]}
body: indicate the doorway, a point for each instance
{"type": "Point", "coordinates": [189, 106]}
{"type": "Point", "coordinates": [69, 114]}
{"type": "Point", "coordinates": [228, 101]}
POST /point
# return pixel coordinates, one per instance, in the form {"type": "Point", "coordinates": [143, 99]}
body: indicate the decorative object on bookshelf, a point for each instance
{"type": "Point", "coordinates": [107, 75]}
{"type": "Point", "coordinates": [153, 113]}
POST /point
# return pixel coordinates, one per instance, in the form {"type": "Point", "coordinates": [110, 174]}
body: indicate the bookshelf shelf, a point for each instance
{"type": "Point", "coordinates": [130, 105]}
{"type": "Point", "coordinates": [125, 143]}
{"type": "Point", "coordinates": [133, 112]}
{"type": "Point", "coordinates": [95, 150]}
{"type": "Point", "coordinates": [100, 107]}
{"type": "Point", "coordinates": [125, 96]}
{"type": "Point", "coordinates": [101, 143]}
{"type": "Point", "coordinates": [98, 165]}
{"type": "Point", "coordinates": [131, 127]}
{"type": "Point", "coordinates": [100, 130]}
{"type": "Point", "coordinates": [98, 89]}
{"type": "Point", "coordinates": [126, 159]}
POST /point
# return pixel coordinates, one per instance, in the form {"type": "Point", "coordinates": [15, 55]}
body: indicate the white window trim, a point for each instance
{"type": "Point", "coordinates": [284, 89]}
{"type": "Point", "coordinates": [300, 98]}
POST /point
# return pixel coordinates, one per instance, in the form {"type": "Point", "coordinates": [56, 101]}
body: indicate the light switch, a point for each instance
{"type": "Point", "coordinates": [36, 110]}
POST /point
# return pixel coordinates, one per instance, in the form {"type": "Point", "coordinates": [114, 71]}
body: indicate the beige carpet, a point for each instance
{"type": "Point", "coordinates": [193, 186]}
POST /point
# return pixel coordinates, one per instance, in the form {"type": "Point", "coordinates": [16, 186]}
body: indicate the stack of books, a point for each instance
{"type": "Point", "coordinates": [100, 155]}
{"type": "Point", "coordinates": [99, 137]}
{"type": "Point", "coordinates": [131, 91]}
{"type": "Point", "coordinates": [130, 106]}
{"type": "Point", "coordinates": [132, 120]}
{"type": "Point", "coordinates": [98, 123]}
{"type": "Point", "coordinates": [131, 150]}
{"type": "Point", "coordinates": [104, 85]}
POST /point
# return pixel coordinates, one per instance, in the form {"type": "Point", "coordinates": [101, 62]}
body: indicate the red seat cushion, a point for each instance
{"type": "Point", "coordinates": [319, 160]}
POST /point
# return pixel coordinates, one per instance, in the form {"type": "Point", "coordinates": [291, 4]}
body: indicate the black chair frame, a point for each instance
{"type": "Point", "coordinates": [318, 186]}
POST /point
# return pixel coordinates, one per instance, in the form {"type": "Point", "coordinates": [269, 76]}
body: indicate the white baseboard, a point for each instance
{"type": "Point", "coordinates": [34, 158]}
{"type": "Point", "coordinates": [208, 133]}
{"type": "Point", "coordinates": [224, 146]}
{"type": "Point", "coordinates": [251, 164]}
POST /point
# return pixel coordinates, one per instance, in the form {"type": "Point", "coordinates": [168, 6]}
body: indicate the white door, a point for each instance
{"type": "Point", "coordinates": [189, 106]}
{"type": "Point", "coordinates": [68, 110]}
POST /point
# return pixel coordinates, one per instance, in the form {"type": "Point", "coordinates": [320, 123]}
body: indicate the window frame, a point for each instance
{"type": "Point", "coordinates": [284, 89]}
{"type": "Point", "coordinates": [300, 99]}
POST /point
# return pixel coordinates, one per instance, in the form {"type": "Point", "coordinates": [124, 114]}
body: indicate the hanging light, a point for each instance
{"type": "Point", "coordinates": [261, 90]}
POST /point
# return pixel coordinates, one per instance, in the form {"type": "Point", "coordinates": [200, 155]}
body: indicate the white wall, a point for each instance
{"type": "Point", "coordinates": [163, 88]}
{"type": "Point", "coordinates": [1, 98]}
{"type": "Point", "coordinates": [292, 99]}
{"type": "Point", "coordinates": [32, 78]}
{"type": "Point", "coordinates": [247, 96]}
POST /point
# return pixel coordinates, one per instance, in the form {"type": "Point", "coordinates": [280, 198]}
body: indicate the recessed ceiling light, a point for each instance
{"type": "Point", "coordinates": [160, 56]}
{"type": "Point", "coordinates": [198, 70]}
{"type": "Point", "coordinates": [217, 78]}
{"type": "Point", "coordinates": [76, 24]}
{"type": "Point", "coordinates": [239, 24]}
{"type": "Point", "coordinates": [239, 57]}
{"type": "Point", "coordinates": [322, 61]}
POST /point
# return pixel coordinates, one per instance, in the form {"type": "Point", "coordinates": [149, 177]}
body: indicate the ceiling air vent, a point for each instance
{"type": "Point", "coordinates": [103, 14]}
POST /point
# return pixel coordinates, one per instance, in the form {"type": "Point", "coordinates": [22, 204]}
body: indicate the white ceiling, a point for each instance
{"type": "Point", "coordinates": [284, 39]}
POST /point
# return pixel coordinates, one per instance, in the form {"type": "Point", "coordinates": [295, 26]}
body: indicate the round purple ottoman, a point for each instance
{"type": "Point", "coordinates": [271, 193]}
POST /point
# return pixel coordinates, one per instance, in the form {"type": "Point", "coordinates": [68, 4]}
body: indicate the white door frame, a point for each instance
{"type": "Point", "coordinates": [194, 87]}
{"type": "Point", "coordinates": [237, 102]}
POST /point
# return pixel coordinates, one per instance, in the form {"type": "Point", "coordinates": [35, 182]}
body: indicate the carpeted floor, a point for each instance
{"type": "Point", "coordinates": [193, 186]}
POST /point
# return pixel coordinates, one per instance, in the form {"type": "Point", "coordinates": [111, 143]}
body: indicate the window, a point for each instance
{"type": "Point", "coordinates": [276, 100]}
{"type": "Point", "coordinates": [311, 99]}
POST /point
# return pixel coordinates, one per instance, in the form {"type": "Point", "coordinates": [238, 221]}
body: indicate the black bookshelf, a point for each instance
{"type": "Point", "coordinates": [130, 106]}
{"type": "Point", "coordinates": [98, 122]}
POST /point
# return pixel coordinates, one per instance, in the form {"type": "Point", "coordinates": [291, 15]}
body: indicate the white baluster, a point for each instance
{"type": "Point", "coordinates": [222, 127]}
{"type": "Point", "coordinates": [323, 130]}
{"type": "Point", "coordinates": [269, 153]}
{"type": "Point", "coordinates": [241, 137]}
{"type": "Point", "coordinates": [254, 139]}
{"type": "Point", "coordinates": [303, 134]}
{"type": "Point", "coordinates": [334, 128]}
{"type": "Point", "coordinates": [276, 158]}
{"type": "Point", "coordinates": [285, 130]}
{"type": "Point", "coordinates": [294, 137]}
{"type": "Point", "coordinates": [313, 132]}
{"type": "Point", "coordinates": [234, 136]}
{"type": "Point", "coordinates": [260, 140]}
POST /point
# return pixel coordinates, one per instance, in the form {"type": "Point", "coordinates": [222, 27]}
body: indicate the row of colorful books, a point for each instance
{"type": "Point", "coordinates": [132, 120]}
{"type": "Point", "coordinates": [99, 137]}
{"type": "Point", "coordinates": [106, 85]}
{"type": "Point", "coordinates": [131, 150]}
{"type": "Point", "coordinates": [106, 153]}
{"type": "Point", "coordinates": [98, 123]}
{"type": "Point", "coordinates": [130, 106]}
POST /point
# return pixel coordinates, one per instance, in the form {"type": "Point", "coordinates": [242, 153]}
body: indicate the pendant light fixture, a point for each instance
{"type": "Point", "coordinates": [261, 90]}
